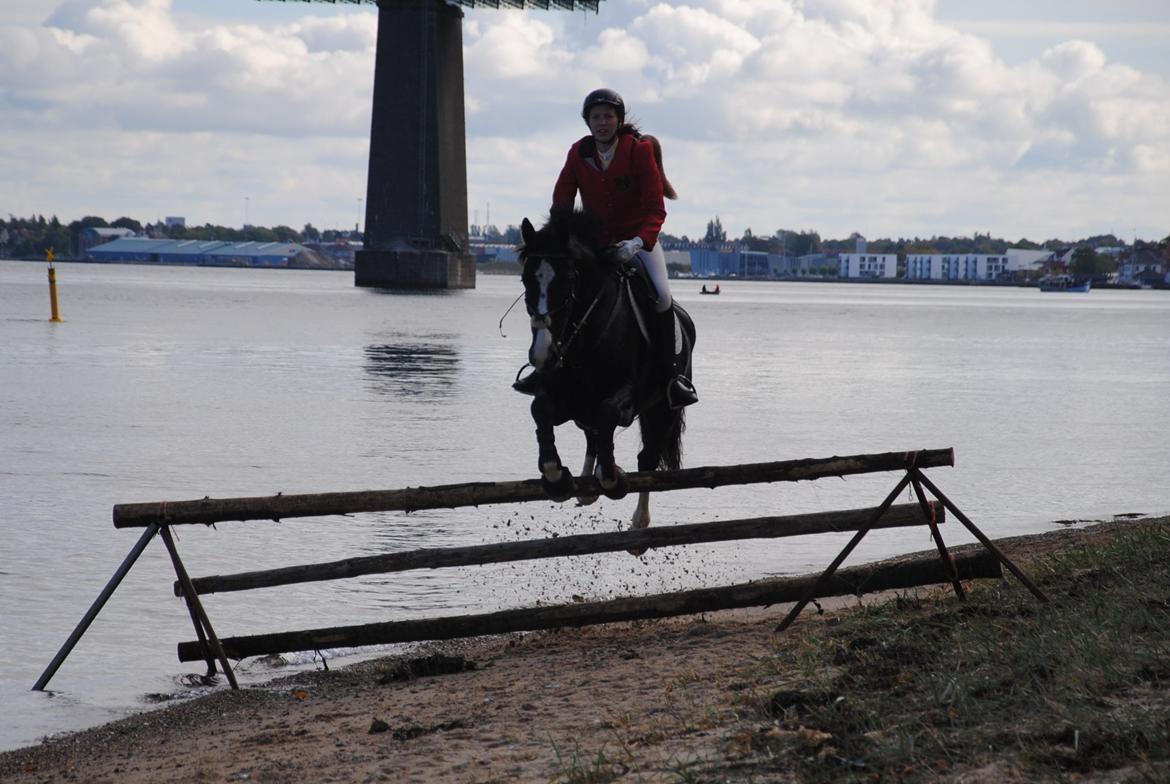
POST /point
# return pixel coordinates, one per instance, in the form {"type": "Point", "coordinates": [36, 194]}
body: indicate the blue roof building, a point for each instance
{"type": "Point", "coordinates": [212, 253]}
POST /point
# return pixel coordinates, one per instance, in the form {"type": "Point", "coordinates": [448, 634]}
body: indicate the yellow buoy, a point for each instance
{"type": "Point", "coordinates": [49, 256]}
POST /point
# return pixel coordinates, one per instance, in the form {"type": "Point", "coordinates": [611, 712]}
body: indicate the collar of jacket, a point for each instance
{"type": "Point", "coordinates": [587, 147]}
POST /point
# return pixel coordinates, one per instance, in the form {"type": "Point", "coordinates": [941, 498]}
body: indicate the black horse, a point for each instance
{"type": "Point", "coordinates": [591, 347]}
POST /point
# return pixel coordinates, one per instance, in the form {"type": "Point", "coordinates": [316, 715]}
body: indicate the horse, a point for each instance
{"type": "Point", "coordinates": [591, 346]}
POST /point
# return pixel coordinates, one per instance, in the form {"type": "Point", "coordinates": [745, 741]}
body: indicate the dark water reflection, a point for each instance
{"type": "Point", "coordinates": [412, 368]}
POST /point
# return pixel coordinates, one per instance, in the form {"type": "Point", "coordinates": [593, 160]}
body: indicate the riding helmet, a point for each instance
{"type": "Point", "coordinates": [604, 96]}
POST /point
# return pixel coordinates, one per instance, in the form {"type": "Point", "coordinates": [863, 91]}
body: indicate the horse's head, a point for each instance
{"type": "Point", "coordinates": [560, 275]}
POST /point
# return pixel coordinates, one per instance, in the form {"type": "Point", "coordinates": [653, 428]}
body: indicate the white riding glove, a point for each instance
{"type": "Point", "coordinates": [626, 249]}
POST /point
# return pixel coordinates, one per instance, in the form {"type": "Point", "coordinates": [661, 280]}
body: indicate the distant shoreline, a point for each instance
{"type": "Point", "coordinates": [513, 268]}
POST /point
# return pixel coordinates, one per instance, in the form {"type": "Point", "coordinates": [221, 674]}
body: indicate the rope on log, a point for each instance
{"type": "Point", "coordinates": [207, 511]}
{"type": "Point", "coordinates": [903, 573]}
{"type": "Point", "coordinates": [580, 544]}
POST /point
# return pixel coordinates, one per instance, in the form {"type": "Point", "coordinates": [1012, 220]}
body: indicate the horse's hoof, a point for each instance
{"type": "Point", "coordinates": [559, 489]}
{"type": "Point", "coordinates": [615, 488]}
{"type": "Point", "coordinates": [637, 553]}
{"type": "Point", "coordinates": [587, 500]}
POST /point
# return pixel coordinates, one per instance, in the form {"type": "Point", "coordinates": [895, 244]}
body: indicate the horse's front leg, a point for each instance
{"type": "Point", "coordinates": [556, 479]}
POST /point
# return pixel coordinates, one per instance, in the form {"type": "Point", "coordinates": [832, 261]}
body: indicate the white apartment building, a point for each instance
{"type": "Point", "coordinates": [969, 266]}
{"type": "Point", "coordinates": [954, 266]}
{"type": "Point", "coordinates": [868, 265]}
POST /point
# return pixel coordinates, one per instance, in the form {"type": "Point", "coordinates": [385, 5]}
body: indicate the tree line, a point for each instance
{"type": "Point", "coordinates": [31, 238]}
{"type": "Point", "coordinates": [790, 242]}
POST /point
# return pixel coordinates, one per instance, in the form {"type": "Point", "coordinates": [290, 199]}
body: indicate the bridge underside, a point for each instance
{"type": "Point", "coordinates": [543, 5]}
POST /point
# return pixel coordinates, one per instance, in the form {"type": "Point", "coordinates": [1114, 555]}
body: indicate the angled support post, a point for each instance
{"type": "Point", "coordinates": [1023, 578]}
{"type": "Point", "coordinates": [938, 540]}
{"type": "Point", "coordinates": [96, 607]}
{"type": "Point", "coordinates": [198, 614]}
{"type": "Point", "coordinates": [819, 584]}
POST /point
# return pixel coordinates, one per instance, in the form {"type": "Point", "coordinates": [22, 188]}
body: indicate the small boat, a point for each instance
{"type": "Point", "coordinates": [1065, 283]}
{"type": "Point", "coordinates": [706, 290]}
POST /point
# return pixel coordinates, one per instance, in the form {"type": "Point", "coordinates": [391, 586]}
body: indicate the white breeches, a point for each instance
{"type": "Point", "coordinates": [654, 262]}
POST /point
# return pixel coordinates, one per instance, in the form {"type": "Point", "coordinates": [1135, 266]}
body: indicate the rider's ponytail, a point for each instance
{"type": "Point", "coordinates": [632, 128]}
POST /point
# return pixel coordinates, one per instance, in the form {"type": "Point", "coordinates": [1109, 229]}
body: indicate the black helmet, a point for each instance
{"type": "Point", "coordinates": [604, 96]}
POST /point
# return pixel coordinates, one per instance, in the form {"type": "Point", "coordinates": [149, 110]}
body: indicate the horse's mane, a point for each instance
{"type": "Point", "coordinates": [561, 226]}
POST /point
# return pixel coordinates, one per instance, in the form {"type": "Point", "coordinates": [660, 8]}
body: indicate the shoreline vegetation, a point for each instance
{"type": "Point", "coordinates": [906, 686]}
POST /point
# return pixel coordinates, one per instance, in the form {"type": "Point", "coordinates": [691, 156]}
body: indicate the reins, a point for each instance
{"type": "Point", "coordinates": [624, 276]}
{"type": "Point", "coordinates": [578, 326]}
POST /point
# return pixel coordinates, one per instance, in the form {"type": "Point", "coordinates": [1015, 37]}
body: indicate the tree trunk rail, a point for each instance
{"type": "Point", "coordinates": [578, 544]}
{"type": "Point", "coordinates": [856, 580]}
{"type": "Point", "coordinates": [158, 517]}
{"type": "Point", "coordinates": [207, 511]}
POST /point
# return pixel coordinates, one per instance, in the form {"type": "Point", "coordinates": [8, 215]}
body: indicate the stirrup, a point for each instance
{"type": "Point", "coordinates": [680, 392]}
{"type": "Point", "coordinates": [528, 384]}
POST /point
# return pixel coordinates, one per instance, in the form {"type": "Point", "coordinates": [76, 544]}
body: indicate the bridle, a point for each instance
{"type": "Point", "coordinates": [571, 328]}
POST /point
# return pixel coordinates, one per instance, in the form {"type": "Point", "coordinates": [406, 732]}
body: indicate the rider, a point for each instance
{"type": "Point", "coordinates": [615, 171]}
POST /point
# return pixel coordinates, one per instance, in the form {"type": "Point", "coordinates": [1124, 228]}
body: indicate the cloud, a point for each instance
{"type": "Point", "coordinates": [126, 64]}
{"type": "Point", "coordinates": [828, 114]}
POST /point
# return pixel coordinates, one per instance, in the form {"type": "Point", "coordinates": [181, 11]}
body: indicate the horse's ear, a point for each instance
{"type": "Point", "coordinates": [527, 231]}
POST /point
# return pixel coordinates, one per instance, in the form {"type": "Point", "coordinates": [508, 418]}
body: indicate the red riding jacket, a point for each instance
{"type": "Point", "coordinates": [626, 198]}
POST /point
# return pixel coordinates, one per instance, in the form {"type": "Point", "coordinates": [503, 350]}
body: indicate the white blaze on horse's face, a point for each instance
{"type": "Point", "coordinates": [542, 339]}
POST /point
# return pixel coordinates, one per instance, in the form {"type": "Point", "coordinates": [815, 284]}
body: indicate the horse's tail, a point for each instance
{"type": "Point", "coordinates": [667, 189]}
{"type": "Point", "coordinates": [672, 444]}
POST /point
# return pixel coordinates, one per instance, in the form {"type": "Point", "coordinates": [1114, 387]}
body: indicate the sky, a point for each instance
{"type": "Point", "coordinates": [893, 118]}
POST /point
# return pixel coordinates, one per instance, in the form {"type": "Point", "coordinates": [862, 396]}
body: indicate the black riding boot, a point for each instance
{"type": "Point", "coordinates": [680, 392]}
{"type": "Point", "coordinates": [529, 384]}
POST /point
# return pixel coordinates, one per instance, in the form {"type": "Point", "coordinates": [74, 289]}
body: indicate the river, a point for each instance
{"type": "Point", "coordinates": [169, 383]}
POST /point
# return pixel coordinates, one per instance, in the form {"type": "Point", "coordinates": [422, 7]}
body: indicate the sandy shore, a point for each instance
{"type": "Point", "coordinates": [637, 699]}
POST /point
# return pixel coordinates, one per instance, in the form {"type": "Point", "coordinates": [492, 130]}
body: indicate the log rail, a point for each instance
{"type": "Point", "coordinates": [207, 511]}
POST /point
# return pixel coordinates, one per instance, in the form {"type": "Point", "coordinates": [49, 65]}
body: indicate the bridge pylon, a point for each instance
{"type": "Point", "coordinates": [416, 192]}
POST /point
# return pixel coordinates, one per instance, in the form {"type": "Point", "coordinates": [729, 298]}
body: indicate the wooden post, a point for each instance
{"type": "Point", "coordinates": [96, 607]}
{"type": "Point", "coordinates": [1023, 578]}
{"type": "Point", "coordinates": [200, 616]}
{"type": "Point", "coordinates": [938, 540]}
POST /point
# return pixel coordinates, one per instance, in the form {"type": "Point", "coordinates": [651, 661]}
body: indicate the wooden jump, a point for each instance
{"type": "Point", "coordinates": [158, 517]}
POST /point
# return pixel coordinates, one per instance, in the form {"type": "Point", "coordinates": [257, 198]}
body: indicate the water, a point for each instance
{"type": "Point", "coordinates": [176, 383]}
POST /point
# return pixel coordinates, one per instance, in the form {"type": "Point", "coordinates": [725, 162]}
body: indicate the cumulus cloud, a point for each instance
{"type": "Point", "coordinates": [832, 114]}
{"type": "Point", "coordinates": [127, 64]}
{"type": "Point", "coordinates": [875, 110]}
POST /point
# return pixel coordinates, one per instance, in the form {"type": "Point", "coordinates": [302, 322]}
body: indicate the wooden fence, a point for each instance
{"type": "Point", "coordinates": [159, 517]}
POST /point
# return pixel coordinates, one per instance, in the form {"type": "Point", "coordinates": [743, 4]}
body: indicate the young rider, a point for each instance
{"type": "Point", "coordinates": [614, 170]}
